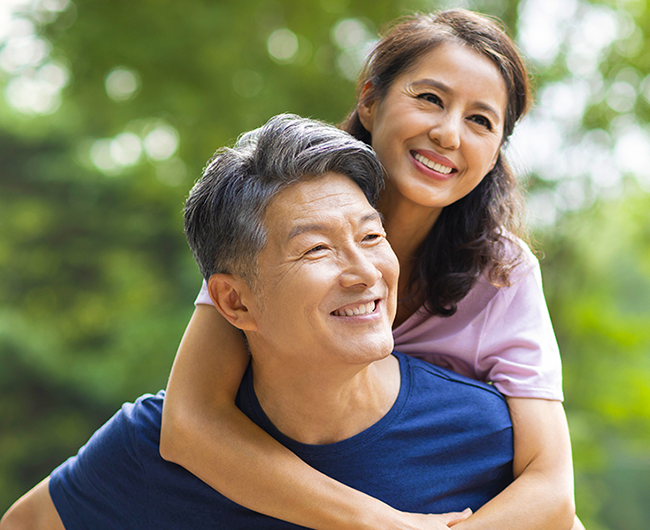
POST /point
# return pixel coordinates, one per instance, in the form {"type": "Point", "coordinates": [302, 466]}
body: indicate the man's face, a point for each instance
{"type": "Point", "coordinates": [327, 278]}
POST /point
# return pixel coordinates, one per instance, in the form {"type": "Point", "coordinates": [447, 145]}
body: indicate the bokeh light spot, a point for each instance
{"type": "Point", "coordinates": [122, 84]}
{"type": "Point", "coordinates": [37, 92]}
{"type": "Point", "coordinates": [126, 149]}
{"type": "Point", "coordinates": [161, 142]}
{"type": "Point", "coordinates": [621, 96]}
{"type": "Point", "coordinates": [282, 45]}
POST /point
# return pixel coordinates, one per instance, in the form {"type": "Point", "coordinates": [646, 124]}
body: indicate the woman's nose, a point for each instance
{"type": "Point", "coordinates": [446, 132]}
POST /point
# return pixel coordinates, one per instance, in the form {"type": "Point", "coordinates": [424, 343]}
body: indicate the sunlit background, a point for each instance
{"type": "Point", "coordinates": [110, 109]}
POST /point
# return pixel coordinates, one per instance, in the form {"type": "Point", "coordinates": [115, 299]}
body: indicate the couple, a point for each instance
{"type": "Point", "coordinates": [284, 229]}
{"type": "Point", "coordinates": [438, 98]}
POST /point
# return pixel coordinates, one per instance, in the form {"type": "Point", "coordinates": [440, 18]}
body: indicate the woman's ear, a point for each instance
{"type": "Point", "coordinates": [367, 106]}
{"type": "Point", "coordinates": [495, 160]}
{"type": "Point", "coordinates": [232, 298]}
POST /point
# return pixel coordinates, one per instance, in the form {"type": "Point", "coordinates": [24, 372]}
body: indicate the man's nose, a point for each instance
{"type": "Point", "coordinates": [445, 132]}
{"type": "Point", "coordinates": [359, 269]}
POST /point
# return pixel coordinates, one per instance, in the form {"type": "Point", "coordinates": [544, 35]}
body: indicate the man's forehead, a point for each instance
{"type": "Point", "coordinates": [312, 204]}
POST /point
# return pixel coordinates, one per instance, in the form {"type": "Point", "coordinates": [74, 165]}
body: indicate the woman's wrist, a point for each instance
{"type": "Point", "coordinates": [373, 514]}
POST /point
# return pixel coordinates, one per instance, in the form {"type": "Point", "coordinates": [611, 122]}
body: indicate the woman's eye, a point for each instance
{"type": "Point", "coordinates": [431, 98]}
{"type": "Point", "coordinates": [372, 237]}
{"type": "Point", "coordinates": [482, 121]}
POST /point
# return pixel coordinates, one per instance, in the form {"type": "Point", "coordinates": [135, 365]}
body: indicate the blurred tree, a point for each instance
{"type": "Point", "coordinates": [597, 281]}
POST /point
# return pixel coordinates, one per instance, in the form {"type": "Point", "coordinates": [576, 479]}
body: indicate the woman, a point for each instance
{"type": "Point", "coordinates": [439, 96]}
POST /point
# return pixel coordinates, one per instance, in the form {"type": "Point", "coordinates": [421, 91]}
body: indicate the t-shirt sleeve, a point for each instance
{"type": "Point", "coordinates": [103, 486]}
{"type": "Point", "coordinates": [204, 295]}
{"type": "Point", "coordinates": [519, 351]}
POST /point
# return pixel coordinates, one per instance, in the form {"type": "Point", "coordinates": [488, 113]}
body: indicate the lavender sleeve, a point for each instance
{"type": "Point", "coordinates": [520, 352]}
{"type": "Point", "coordinates": [502, 336]}
{"type": "Point", "coordinates": [204, 296]}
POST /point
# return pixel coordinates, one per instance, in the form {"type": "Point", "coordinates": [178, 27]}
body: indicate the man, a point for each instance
{"type": "Point", "coordinates": [282, 226]}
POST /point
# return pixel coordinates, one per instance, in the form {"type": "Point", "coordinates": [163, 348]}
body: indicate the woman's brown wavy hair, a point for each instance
{"type": "Point", "coordinates": [476, 233]}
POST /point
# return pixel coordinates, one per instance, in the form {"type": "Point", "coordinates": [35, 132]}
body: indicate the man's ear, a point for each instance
{"type": "Point", "coordinates": [367, 106]}
{"type": "Point", "coordinates": [232, 297]}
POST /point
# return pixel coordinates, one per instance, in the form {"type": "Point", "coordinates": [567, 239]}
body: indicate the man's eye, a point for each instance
{"type": "Point", "coordinates": [317, 248]}
{"type": "Point", "coordinates": [371, 237]}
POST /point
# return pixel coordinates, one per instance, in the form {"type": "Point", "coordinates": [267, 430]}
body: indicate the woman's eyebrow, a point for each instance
{"type": "Point", "coordinates": [432, 83]}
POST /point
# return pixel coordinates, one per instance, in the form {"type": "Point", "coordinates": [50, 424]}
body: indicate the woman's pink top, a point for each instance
{"type": "Point", "coordinates": [499, 335]}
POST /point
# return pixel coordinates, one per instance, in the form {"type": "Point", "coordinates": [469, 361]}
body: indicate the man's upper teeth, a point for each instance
{"type": "Point", "coordinates": [431, 164]}
{"type": "Point", "coordinates": [362, 309]}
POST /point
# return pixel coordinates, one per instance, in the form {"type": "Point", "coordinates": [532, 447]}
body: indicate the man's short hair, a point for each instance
{"type": "Point", "coordinates": [225, 210]}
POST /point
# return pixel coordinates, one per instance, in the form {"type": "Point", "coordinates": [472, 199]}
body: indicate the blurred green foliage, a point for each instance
{"type": "Point", "coordinates": [97, 284]}
{"type": "Point", "coordinates": [597, 282]}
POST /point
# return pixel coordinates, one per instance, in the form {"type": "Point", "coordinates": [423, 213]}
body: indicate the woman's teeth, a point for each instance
{"type": "Point", "coordinates": [432, 165]}
{"type": "Point", "coordinates": [363, 309]}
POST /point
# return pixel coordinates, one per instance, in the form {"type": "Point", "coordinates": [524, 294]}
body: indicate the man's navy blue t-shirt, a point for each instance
{"type": "Point", "coordinates": [445, 445]}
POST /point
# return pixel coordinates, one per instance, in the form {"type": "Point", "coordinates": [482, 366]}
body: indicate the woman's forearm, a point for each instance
{"type": "Point", "coordinates": [541, 496]}
{"type": "Point", "coordinates": [530, 503]}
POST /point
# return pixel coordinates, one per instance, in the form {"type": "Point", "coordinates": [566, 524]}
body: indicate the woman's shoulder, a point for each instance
{"type": "Point", "coordinates": [519, 255]}
{"type": "Point", "coordinates": [523, 268]}
{"type": "Point", "coordinates": [484, 293]}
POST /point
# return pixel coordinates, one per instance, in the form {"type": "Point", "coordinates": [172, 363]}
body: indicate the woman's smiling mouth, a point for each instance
{"type": "Point", "coordinates": [445, 170]}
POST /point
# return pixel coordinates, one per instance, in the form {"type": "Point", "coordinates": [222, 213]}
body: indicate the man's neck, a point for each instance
{"type": "Point", "coordinates": [320, 406]}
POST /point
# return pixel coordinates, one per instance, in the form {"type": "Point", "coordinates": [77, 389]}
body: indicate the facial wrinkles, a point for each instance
{"type": "Point", "coordinates": [311, 223]}
{"type": "Point", "coordinates": [338, 238]}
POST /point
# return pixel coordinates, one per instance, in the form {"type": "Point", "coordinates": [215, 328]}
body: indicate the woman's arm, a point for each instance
{"type": "Point", "coordinates": [541, 497]}
{"type": "Point", "coordinates": [205, 432]}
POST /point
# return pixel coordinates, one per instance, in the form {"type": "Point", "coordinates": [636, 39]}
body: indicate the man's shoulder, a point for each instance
{"type": "Point", "coordinates": [425, 375]}
{"type": "Point", "coordinates": [444, 401]}
{"type": "Point", "coordinates": [110, 469]}
{"type": "Point", "coordinates": [134, 421]}
{"type": "Point", "coordinates": [146, 409]}
{"type": "Point", "coordinates": [121, 443]}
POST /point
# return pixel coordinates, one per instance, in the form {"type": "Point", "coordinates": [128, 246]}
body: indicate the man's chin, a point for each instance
{"type": "Point", "coordinates": [375, 348]}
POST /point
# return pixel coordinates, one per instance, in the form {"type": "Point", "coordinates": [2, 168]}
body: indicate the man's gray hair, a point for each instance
{"type": "Point", "coordinates": [225, 210]}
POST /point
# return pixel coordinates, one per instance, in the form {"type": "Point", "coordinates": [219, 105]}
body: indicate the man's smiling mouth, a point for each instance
{"type": "Point", "coordinates": [361, 309]}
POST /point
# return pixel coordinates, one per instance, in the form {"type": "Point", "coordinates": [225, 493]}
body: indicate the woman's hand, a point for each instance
{"type": "Point", "coordinates": [436, 522]}
{"type": "Point", "coordinates": [419, 521]}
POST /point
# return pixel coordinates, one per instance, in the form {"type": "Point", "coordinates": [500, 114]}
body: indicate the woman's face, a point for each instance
{"type": "Point", "coordinates": [439, 128]}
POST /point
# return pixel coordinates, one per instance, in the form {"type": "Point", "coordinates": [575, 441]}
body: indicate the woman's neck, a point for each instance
{"type": "Point", "coordinates": [407, 225]}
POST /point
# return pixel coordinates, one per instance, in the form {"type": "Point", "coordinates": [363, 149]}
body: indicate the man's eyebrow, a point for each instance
{"type": "Point", "coordinates": [374, 215]}
{"type": "Point", "coordinates": [301, 229]}
{"type": "Point", "coordinates": [427, 82]}
{"type": "Point", "coordinates": [315, 227]}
